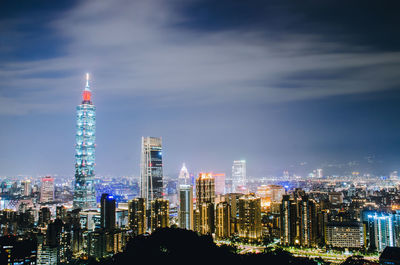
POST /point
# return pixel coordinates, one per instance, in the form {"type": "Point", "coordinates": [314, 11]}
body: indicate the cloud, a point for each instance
{"type": "Point", "coordinates": [135, 49]}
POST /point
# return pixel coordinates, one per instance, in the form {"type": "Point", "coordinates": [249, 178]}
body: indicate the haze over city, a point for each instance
{"type": "Point", "coordinates": [277, 83]}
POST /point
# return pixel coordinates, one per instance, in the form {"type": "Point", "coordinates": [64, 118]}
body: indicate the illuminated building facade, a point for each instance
{"type": "Point", "coordinates": [151, 173]}
{"type": "Point", "coordinates": [233, 200]}
{"type": "Point", "coordinates": [205, 188]}
{"type": "Point", "coordinates": [269, 194]}
{"type": "Point", "coordinates": [238, 174]}
{"type": "Point", "coordinates": [205, 218]}
{"type": "Point", "coordinates": [382, 230]}
{"type": "Point", "coordinates": [159, 214]}
{"type": "Point", "coordinates": [205, 199]}
{"type": "Point", "coordinates": [250, 218]}
{"type": "Point", "coordinates": [84, 192]}
{"type": "Point", "coordinates": [47, 190]}
{"type": "Point", "coordinates": [184, 177]}
{"type": "Point", "coordinates": [344, 235]}
{"type": "Point", "coordinates": [308, 222]}
{"type": "Point", "coordinates": [137, 216]}
{"type": "Point", "coordinates": [288, 221]}
{"type": "Point", "coordinates": [223, 220]}
{"type": "Point", "coordinates": [186, 207]}
{"type": "Point", "coordinates": [26, 187]}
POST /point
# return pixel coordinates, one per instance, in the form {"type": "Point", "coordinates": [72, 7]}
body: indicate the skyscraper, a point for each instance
{"type": "Point", "coordinates": [238, 174]}
{"type": "Point", "coordinates": [308, 222]}
{"type": "Point", "coordinates": [381, 231]}
{"type": "Point", "coordinates": [205, 196]}
{"type": "Point", "coordinates": [151, 171]}
{"type": "Point", "coordinates": [159, 214]}
{"type": "Point", "coordinates": [250, 217]}
{"type": "Point", "coordinates": [184, 177]}
{"type": "Point", "coordinates": [107, 209]}
{"type": "Point", "coordinates": [137, 216]}
{"type": "Point", "coordinates": [85, 195]}
{"type": "Point", "coordinates": [205, 188]}
{"type": "Point", "coordinates": [223, 220]}
{"type": "Point", "coordinates": [186, 207]}
{"type": "Point", "coordinates": [47, 190]}
{"type": "Point", "coordinates": [288, 221]}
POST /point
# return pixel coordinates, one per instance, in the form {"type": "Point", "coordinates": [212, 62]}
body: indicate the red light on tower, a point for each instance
{"type": "Point", "coordinates": [86, 95]}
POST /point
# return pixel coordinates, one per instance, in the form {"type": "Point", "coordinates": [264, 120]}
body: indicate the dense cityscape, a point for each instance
{"type": "Point", "coordinates": [60, 220]}
{"type": "Point", "coordinates": [199, 132]}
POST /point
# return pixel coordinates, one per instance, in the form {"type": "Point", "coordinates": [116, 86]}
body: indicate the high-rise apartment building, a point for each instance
{"type": "Point", "coordinates": [382, 230]}
{"type": "Point", "coordinates": [137, 216]}
{"type": "Point", "coordinates": [288, 221]}
{"type": "Point", "coordinates": [233, 200]}
{"type": "Point", "coordinates": [250, 217]}
{"type": "Point", "coordinates": [205, 188]}
{"type": "Point", "coordinates": [238, 174]}
{"type": "Point", "coordinates": [308, 220]}
{"type": "Point", "coordinates": [186, 207]}
{"type": "Point", "coordinates": [223, 220]}
{"type": "Point", "coordinates": [151, 170]}
{"type": "Point", "coordinates": [159, 214]}
{"type": "Point", "coordinates": [205, 199]}
{"type": "Point", "coordinates": [205, 218]}
{"type": "Point", "coordinates": [107, 212]}
{"type": "Point", "coordinates": [84, 192]}
{"type": "Point", "coordinates": [47, 190]}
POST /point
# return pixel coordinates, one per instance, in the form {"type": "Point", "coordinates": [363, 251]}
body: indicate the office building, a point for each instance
{"type": "Point", "coordinates": [238, 174]}
{"type": "Point", "coordinates": [84, 192]}
{"type": "Point", "coordinates": [344, 235]}
{"type": "Point", "coordinates": [107, 212]}
{"type": "Point", "coordinates": [184, 177]}
{"type": "Point", "coordinates": [186, 207]}
{"type": "Point", "coordinates": [47, 190]}
{"type": "Point", "coordinates": [151, 170]}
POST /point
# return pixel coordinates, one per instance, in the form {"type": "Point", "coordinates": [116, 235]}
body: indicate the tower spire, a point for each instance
{"type": "Point", "coordinates": [87, 93]}
{"type": "Point", "coordinates": [87, 81]}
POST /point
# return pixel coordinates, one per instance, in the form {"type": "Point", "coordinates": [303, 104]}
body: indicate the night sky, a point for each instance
{"type": "Point", "coordinates": [277, 83]}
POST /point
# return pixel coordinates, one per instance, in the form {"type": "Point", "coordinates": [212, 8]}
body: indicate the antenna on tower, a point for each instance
{"type": "Point", "coordinates": [87, 79]}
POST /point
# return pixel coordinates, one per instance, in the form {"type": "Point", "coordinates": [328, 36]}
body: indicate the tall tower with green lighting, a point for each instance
{"type": "Point", "coordinates": [85, 194]}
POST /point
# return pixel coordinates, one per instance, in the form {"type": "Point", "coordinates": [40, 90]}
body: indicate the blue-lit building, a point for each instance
{"type": "Point", "coordinates": [383, 229]}
{"type": "Point", "coordinates": [84, 194]}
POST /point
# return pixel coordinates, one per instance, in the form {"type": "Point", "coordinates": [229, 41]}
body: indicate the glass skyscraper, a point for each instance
{"type": "Point", "coordinates": [238, 174]}
{"type": "Point", "coordinates": [151, 171]}
{"type": "Point", "coordinates": [84, 194]}
{"type": "Point", "coordinates": [186, 207]}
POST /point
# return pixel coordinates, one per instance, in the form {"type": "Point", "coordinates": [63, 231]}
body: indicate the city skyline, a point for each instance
{"type": "Point", "coordinates": [277, 84]}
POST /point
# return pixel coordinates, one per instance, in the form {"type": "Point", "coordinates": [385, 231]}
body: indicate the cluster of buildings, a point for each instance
{"type": "Point", "coordinates": [316, 212]}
